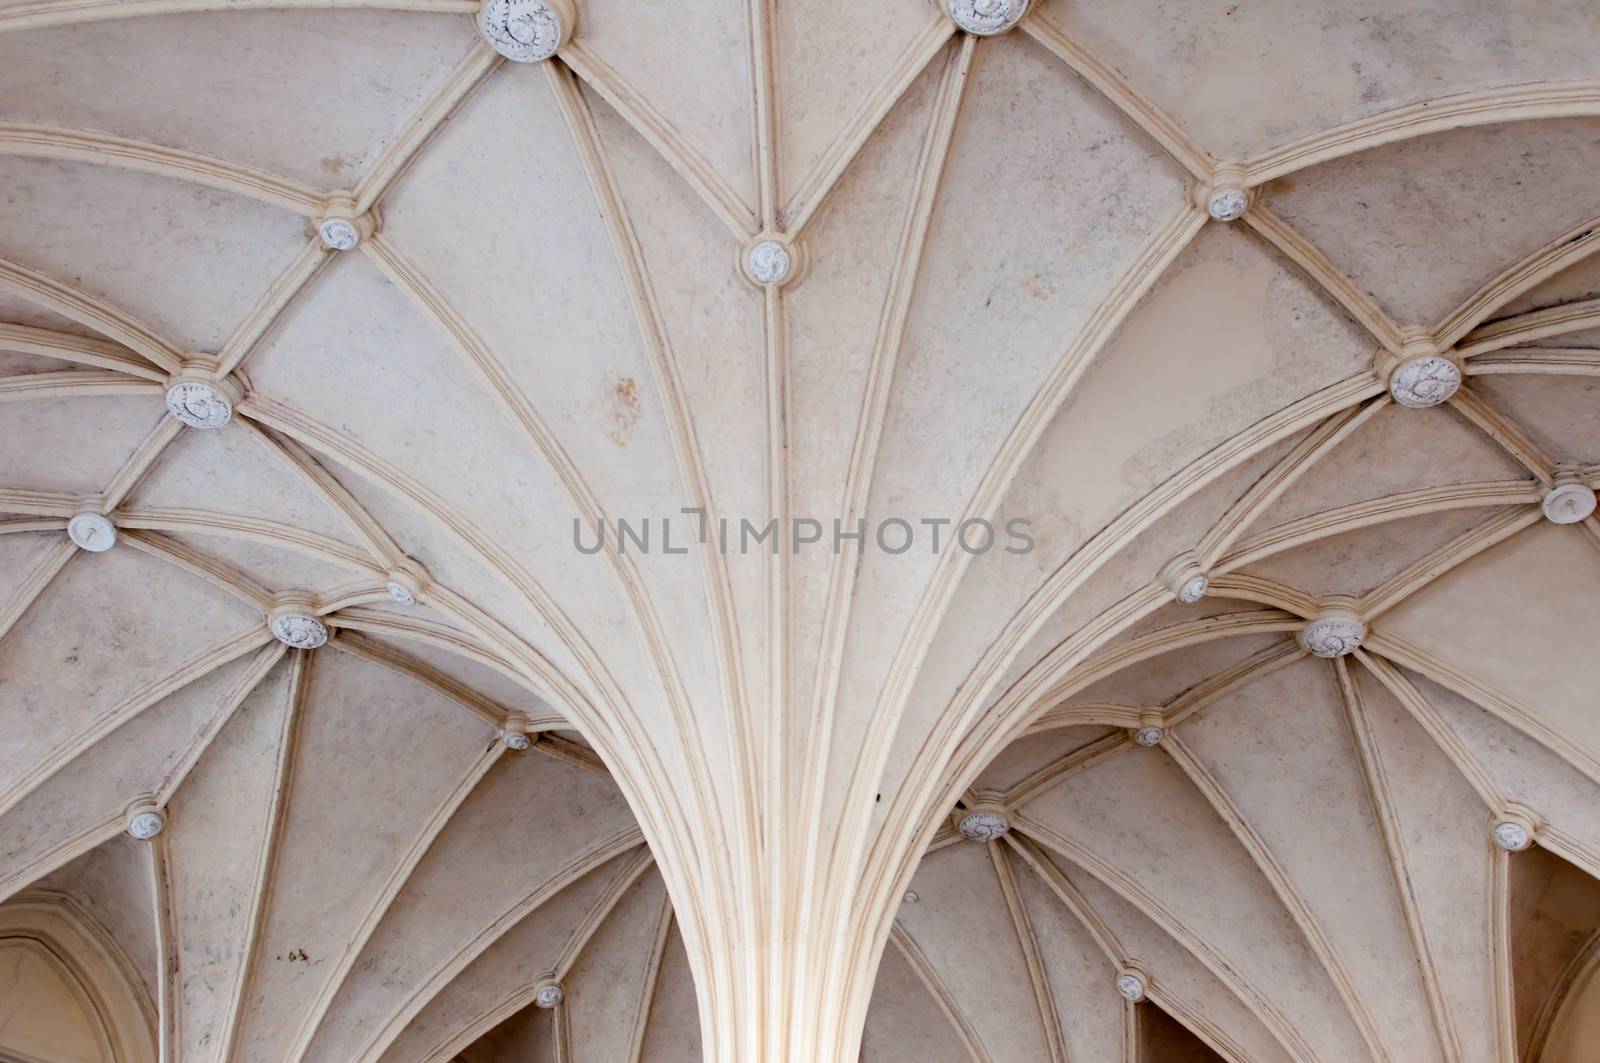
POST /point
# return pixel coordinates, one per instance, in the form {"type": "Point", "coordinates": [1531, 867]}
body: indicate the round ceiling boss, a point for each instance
{"type": "Point", "coordinates": [1332, 636]}
{"type": "Point", "coordinates": [1511, 836]}
{"type": "Point", "coordinates": [145, 822]}
{"type": "Point", "coordinates": [1418, 383]}
{"type": "Point", "coordinates": [92, 532]}
{"type": "Point", "coordinates": [300, 631]}
{"type": "Point", "coordinates": [1227, 204]}
{"type": "Point", "coordinates": [525, 31]}
{"type": "Point", "coordinates": [769, 262]}
{"type": "Point", "coordinates": [339, 234]}
{"type": "Point", "coordinates": [983, 826]}
{"type": "Point", "coordinates": [1568, 503]}
{"type": "Point", "coordinates": [985, 18]}
{"type": "Point", "coordinates": [198, 404]}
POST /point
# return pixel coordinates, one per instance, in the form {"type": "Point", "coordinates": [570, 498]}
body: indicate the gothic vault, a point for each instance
{"type": "Point", "coordinates": [797, 531]}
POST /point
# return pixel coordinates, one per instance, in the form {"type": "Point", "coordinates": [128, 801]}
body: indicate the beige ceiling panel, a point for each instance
{"type": "Point", "coordinates": [569, 346]}
{"type": "Point", "coordinates": [1443, 832]}
{"type": "Point", "coordinates": [611, 983]}
{"type": "Point", "coordinates": [277, 568]}
{"type": "Point", "coordinates": [113, 885]}
{"type": "Point", "coordinates": [1186, 985]}
{"type": "Point", "coordinates": [1549, 578]}
{"type": "Point", "coordinates": [674, 1032]}
{"type": "Point", "coordinates": [521, 827]}
{"type": "Point", "coordinates": [486, 478]}
{"type": "Point", "coordinates": [1559, 411]}
{"type": "Point", "coordinates": [234, 471]}
{"type": "Point", "coordinates": [1143, 819]}
{"type": "Point", "coordinates": [82, 664]}
{"type": "Point", "coordinates": [452, 562]}
{"type": "Point", "coordinates": [1358, 561]}
{"type": "Point", "coordinates": [16, 310]}
{"type": "Point", "coordinates": [1384, 455]}
{"type": "Point", "coordinates": [1407, 222]}
{"type": "Point", "coordinates": [20, 555]}
{"type": "Point", "coordinates": [691, 63]}
{"type": "Point", "coordinates": [1161, 678]}
{"type": "Point", "coordinates": [188, 262]}
{"type": "Point", "coordinates": [1181, 529]}
{"type": "Point", "coordinates": [501, 980]}
{"type": "Point", "coordinates": [1224, 70]}
{"type": "Point", "coordinates": [1573, 284]}
{"type": "Point", "coordinates": [351, 79]}
{"type": "Point", "coordinates": [362, 729]}
{"type": "Point", "coordinates": [997, 304]}
{"type": "Point", "coordinates": [904, 1020]}
{"type": "Point", "coordinates": [1164, 392]}
{"type": "Point", "coordinates": [1081, 977]}
{"type": "Point", "coordinates": [479, 678]}
{"type": "Point", "coordinates": [220, 818]}
{"type": "Point", "coordinates": [713, 342]}
{"type": "Point", "coordinates": [568, 341]}
{"type": "Point", "coordinates": [526, 1037]}
{"type": "Point", "coordinates": [834, 63]}
{"type": "Point", "coordinates": [1526, 772]}
{"type": "Point", "coordinates": [81, 461]}
{"type": "Point", "coordinates": [1024, 757]}
{"type": "Point", "coordinates": [838, 317]}
{"type": "Point", "coordinates": [86, 798]}
{"type": "Point", "coordinates": [13, 364]}
{"type": "Point", "coordinates": [962, 928]}
{"type": "Point", "coordinates": [1280, 749]}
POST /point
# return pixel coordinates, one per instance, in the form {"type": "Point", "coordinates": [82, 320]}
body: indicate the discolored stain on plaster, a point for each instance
{"type": "Point", "coordinates": [623, 409]}
{"type": "Point", "coordinates": [1038, 287]}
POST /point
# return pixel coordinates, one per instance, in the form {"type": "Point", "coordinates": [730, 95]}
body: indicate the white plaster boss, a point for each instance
{"type": "Point", "coordinates": [1420, 375]}
{"type": "Point", "coordinates": [1185, 578]}
{"type": "Point", "coordinates": [406, 582]}
{"type": "Point", "coordinates": [1225, 197]}
{"type": "Point", "coordinates": [342, 227]}
{"type": "Point", "coordinates": [1423, 381]}
{"type": "Point", "coordinates": [1568, 501]}
{"type": "Point", "coordinates": [984, 821]}
{"type": "Point", "coordinates": [200, 399]}
{"type": "Point", "coordinates": [294, 623]}
{"type": "Point", "coordinates": [339, 234]}
{"type": "Point", "coordinates": [1131, 984]}
{"type": "Point", "coordinates": [92, 531]}
{"type": "Point", "coordinates": [548, 993]}
{"type": "Point", "coordinates": [527, 31]}
{"type": "Point", "coordinates": [1513, 830]}
{"type": "Point", "coordinates": [515, 733]}
{"type": "Point", "coordinates": [145, 819]}
{"type": "Point", "coordinates": [984, 18]}
{"type": "Point", "coordinates": [1333, 634]}
{"type": "Point", "coordinates": [1150, 730]}
{"type": "Point", "coordinates": [770, 260]}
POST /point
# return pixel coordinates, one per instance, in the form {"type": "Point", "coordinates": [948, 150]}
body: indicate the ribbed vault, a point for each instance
{"type": "Point", "coordinates": [1176, 287]}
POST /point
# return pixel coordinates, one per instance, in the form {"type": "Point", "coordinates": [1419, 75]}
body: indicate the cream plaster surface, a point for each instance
{"type": "Point", "coordinates": [732, 836]}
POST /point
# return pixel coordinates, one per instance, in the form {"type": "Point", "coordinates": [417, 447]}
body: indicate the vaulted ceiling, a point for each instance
{"type": "Point", "coordinates": [329, 336]}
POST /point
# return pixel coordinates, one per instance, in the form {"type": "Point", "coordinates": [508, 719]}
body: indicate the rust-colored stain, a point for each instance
{"type": "Point", "coordinates": [335, 164]}
{"type": "Point", "coordinates": [623, 410]}
{"type": "Point", "coordinates": [1037, 286]}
